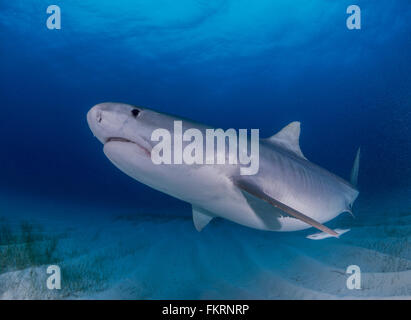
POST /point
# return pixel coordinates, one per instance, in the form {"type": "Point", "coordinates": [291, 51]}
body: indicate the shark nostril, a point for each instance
{"type": "Point", "coordinates": [99, 117]}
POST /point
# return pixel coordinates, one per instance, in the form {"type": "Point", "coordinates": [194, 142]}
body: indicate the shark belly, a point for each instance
{"type": "Point", "coordinates": [211, 189]}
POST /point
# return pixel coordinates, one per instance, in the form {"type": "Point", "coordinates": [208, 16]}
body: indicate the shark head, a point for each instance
{"type": "Point", "coordinates": [125, 131]}
{"type": "Point", "coordinates": [117, 124]}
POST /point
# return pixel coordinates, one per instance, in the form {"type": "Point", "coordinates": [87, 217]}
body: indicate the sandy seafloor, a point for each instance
{"type": "Point", "coordinates": [126, 255]}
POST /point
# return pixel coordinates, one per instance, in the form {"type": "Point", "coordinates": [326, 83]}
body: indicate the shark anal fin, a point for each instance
{"type": "Point", "coordinates": [255, 191]}
{"type": "Point", "coordinates": [200, 218]}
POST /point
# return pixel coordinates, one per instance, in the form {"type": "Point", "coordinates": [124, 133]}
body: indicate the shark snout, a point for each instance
{"type": "Point", "coordinates": [113, 120]}
{"type": "Point", "coordinates": [106, 120]}
{"type": "Point", "coordinates": [94, 115]}
{"type": "Point", "coordinates": [94, 120]}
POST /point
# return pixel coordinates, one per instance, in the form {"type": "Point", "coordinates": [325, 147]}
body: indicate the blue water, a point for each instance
{"type": "Point", "coordinates": [225, 63]}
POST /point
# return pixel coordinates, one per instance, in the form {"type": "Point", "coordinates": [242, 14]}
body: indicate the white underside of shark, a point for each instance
{"type": "Point", "coordinates": [288, 193]}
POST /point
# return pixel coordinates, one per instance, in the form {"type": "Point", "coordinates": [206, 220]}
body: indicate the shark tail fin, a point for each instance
{"type": "Point", "coordinates": [355, 169]}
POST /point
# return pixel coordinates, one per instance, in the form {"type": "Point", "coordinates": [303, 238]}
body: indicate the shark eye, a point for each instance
{"type": "Point", "coordinates": [135, 112]}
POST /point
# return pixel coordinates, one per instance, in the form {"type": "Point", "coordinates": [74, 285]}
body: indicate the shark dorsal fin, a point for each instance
{"type": "Point", "coordinates": [289, 138]}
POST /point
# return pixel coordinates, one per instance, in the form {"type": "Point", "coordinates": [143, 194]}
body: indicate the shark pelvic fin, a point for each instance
{"type": "Point", "coordinates": [200, 218]}
{"type": "Point", "coordinates": [355, 169]}
{"type": "Point", "coordinates": [257, 192]}
{"type": "Point", "coordinates": [289, 138]}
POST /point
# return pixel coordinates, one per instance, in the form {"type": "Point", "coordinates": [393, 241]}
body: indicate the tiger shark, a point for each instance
{"type": "Point", "coordinates": [288, 193]}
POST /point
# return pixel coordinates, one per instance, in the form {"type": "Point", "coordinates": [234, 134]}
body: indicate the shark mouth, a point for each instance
{"type": "Point", "coordinates": [124, 140]}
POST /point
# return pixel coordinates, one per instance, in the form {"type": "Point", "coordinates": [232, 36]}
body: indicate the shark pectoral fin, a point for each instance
{"type": "Point", "coordinates": [257, 192]}
{"type": "Point", "coordinates": [201, 218]}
